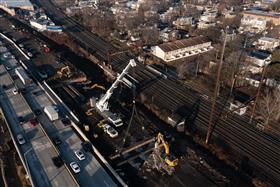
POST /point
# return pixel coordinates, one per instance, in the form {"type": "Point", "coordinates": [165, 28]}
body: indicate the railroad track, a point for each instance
{"type": "Point", "coordinates": [262, 149]}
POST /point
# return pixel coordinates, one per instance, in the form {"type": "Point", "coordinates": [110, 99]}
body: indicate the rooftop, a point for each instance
{"type": "Point", "coordinates": [16, 3]}
{"type": "Point", "coordinates": [263, 13]}
{"type": "Point", "coordinates": [180, 44]}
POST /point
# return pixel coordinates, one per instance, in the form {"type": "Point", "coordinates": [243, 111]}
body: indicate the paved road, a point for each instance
{"type": "Point", "coordinates": [38, 150]}
{"type": "Point", "coordinates": [92, 173]}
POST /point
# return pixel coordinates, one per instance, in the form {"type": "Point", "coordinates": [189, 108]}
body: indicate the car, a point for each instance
{"type": "Point", "coordinates": [110, 131]}
{"type": "Point", "coordinates": [87, 146]}
{"type": "Point", "coordinates": [43, 74]}
{"type": "Point", "coordinates": [4, 86]}
{"type": "Point", "coordinates": [33, 122]}
{"type": "Point", "coordinates": [37, 112]}
{"type": "Point", "coordinates": [29, 54]}
{"type": "Point", "coordinates": [20, 45]}
{"type": "Point", "coordinates": [57, 141]}
{"type": "Point", "coordinates": [75, 167]}
{"type": "Point", "coordinates": [20, 139]}
{"type": "Point", "coordinates": [80, 155]}
{"type": "Point", "coordinates": [8, 68]}
{"type": "Point", "coordinates": [66, 121]}
{"type": "Point", "coordinates": [21, 119]}
{"type": "Point", "coordinates": [57, 161]}
{"type": "Point", "coordinates": [55, 108]}
{"type": "Point", "coordinates": [15, 91]}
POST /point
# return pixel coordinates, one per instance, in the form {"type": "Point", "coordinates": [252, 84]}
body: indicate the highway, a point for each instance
{"type": "Point", "coordinates": [167, 94]}
{"type": "Point", "coordinates": [33, 97]}
{"type": "Point", "coordinates": [38, 150]}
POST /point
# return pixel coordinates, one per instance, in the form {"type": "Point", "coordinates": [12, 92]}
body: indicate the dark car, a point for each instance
{"type": "Point", "coordinates": [57, 141]}
{"type": "Point", "coordinates": [4, 86]}
{"type": "Point", "coordinates": [21, 119]}
{"type": "Point", "coordinates": [87, 146]}
{"type": "Point", "coordinates": [57, 161]}
{"type": "Point", "coordinates": [37, 112]}
{"type": "Point", "coordinates": [33, 122]}
{"type": "Point", "coordinates": [66, 121]}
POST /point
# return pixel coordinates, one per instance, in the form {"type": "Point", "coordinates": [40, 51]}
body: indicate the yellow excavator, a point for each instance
{"type": "Point", "coordinates": [98, 86]}
{"type": "Point", "coordinates": [64, 71]}
{"type": "Point", "coordinates": [170, 160]}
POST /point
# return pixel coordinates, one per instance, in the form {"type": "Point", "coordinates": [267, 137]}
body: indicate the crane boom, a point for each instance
{"type": "Point", "coordinates": [102, 104]}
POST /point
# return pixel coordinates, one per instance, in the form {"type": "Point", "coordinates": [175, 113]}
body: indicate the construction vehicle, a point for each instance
{"type": "Point", "coordinates": [169, 159]}
{"type": "Point", "coordinates": [161, 159]}
{"type": "Point", "coordinates": [64, 71]}
{"type": "Point", "coordinates": [102, 104]}
{"type": "Point", "coordinates": [98, 86]}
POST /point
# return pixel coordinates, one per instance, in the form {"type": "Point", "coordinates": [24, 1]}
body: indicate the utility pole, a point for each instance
{"type": "Point", "coordinates": [258, 93]}
{"type": "Point", "coordinates": [210, 123]}
{"type": "Point", "coordinates": [236, 66]}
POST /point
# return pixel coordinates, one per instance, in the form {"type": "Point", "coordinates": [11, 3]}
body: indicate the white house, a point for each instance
{"type": "Point", "coordinates": [266, 43]}
{"type": "Point", "coordinates": [257, 60]}
{"type": "Point", "coordinates": [182, 48]}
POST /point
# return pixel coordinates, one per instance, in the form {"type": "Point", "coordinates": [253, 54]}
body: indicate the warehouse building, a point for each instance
{"type": "Point", "coordinates": [182, 48]}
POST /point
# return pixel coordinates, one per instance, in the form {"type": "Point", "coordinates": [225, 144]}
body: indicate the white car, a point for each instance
{"type": "Point", "coordinates": [80, 155]}
{"type": "Point", "coordinates": [15, 92]}
{"type": "Point", "coordinates": [75, 167]}
{"type": "Point", "coordinates": [29, 54]}
{"type": "Point", "coordinates": [21, 45]}
{"type": "Point", "coordinates": [110, 131]}
{"type": "Point", "coordinates": [20, 139]}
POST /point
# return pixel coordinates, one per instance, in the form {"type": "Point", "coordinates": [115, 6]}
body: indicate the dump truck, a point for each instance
{"type": "Point", "coordinates": [51, 113]}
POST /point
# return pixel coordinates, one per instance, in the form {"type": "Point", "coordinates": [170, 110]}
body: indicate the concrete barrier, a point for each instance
{"type": "Point", "coordinates": [11, 41]}
{"type": "Point", "coordinates": [17, 148]}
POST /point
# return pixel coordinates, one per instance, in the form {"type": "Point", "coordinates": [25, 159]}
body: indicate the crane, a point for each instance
{"type": "Point", "coordinates": [102, 104]}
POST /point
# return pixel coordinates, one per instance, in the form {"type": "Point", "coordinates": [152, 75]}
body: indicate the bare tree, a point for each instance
{"type": "Point", "coordinates": [269, 106]}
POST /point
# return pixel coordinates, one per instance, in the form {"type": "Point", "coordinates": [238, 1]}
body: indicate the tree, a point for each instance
{"type": "Point", "coordinates": [276, 6]}
{"type": "Point", "coordinates": [276, 56]}
{"type": "Point", "coordinates": [269, 106]}
{"type": "Point", "coordinates": [273, 71]}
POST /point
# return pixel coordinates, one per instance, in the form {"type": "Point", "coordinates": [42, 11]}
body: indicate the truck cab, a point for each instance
{"type": "Point", "coordinates": [115, 120]}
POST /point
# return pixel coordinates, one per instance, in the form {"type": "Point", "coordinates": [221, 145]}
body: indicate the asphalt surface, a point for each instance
{"type": "Point", "coordinates": [91, 170]}
{"type": "Point", "coordinates": [167, 94]}
{"type": "Point", "coordinates": [37, 150]}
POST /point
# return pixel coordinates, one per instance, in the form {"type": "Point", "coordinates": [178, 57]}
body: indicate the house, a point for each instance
{"type": "Point", "coordinates": [182, 48]}
{"type": "Point", "coordinates": [183, 22]}
{"type": "Point", "coordinates": [273, 17]}
{"type": "Point", "coordinates": [266, 43]}
{"type": "Point", "coordinates": [252, 24]}
{"type": "Point", "coordinates": [257, 60]}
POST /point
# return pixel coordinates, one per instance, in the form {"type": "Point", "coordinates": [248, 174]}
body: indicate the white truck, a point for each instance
{"type": "Point", "coordinates": [51, 113]}
{"type": "Point", "coordinates": [23, 76]}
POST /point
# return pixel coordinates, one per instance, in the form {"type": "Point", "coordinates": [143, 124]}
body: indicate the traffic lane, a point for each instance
{"type": "Point", "coordinates": [26, 149]}
{"type": "Point", "coordinates": [57, 176]}
{"type": "Point", "coordinates": [90, 167]}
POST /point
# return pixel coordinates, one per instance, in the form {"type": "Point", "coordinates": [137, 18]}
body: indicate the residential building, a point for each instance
{"type": "Point", "coordinates": [183, 22]}
{"type": "Point", "coordinates": [182, 48]}
{"type": "Point", "coordinates": [257, 60]}
{"type": "Point", "coordinates": [22, 4]}
{"type": "Point", "coordinates": [273, 17]}
{"type": "Point", "coordinates": [252, 24]}
{"type": "Point", "coordinates": [266, 43]}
